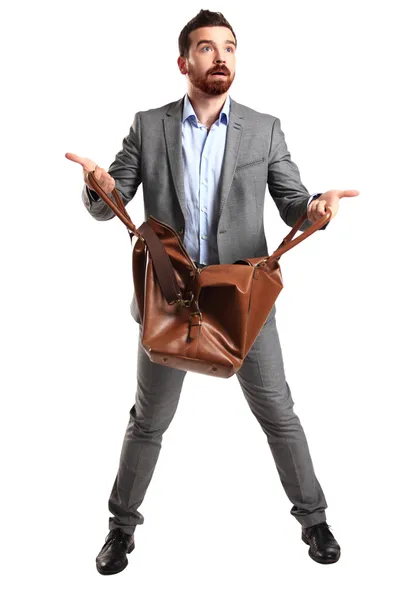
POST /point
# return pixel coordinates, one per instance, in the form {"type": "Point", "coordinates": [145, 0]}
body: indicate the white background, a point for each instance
{"type": "Point", "coordinates": [217, 522]}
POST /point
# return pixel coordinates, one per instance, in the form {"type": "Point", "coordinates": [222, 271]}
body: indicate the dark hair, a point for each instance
{"type": "Point", "coordinates": [205, 18]}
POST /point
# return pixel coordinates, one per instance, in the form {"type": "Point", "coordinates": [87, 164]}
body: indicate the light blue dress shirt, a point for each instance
{"type": "Point", "coordinates": [202, 154]}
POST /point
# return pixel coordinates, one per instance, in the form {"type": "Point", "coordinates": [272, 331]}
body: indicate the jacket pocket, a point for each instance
{"type": "Point", "coordinates": [250, 164]}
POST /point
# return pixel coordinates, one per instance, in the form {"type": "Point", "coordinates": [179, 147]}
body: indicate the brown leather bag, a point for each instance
{"type": "Point", "coordinates": [200, 319]}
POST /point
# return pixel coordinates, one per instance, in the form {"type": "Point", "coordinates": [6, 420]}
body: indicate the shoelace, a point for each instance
{"type": "Point", "coordinates": [312, 527]}
{"type": "Point", "coordinates": [115, 534]}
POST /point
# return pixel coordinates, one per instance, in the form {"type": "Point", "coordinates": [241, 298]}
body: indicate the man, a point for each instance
{"type": "Point", "coordinates": [204, 162]}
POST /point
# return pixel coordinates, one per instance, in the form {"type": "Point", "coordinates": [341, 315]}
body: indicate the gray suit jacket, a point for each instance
{"type": "Point", "coordinates": [255, 156]}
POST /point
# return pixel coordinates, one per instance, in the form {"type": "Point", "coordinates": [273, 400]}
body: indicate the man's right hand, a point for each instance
{"type": "Point", "coordinates": [105, 181]}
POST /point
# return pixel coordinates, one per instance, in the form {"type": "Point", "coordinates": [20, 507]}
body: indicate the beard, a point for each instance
{"type": "Point", "coordinates": [213, 86]}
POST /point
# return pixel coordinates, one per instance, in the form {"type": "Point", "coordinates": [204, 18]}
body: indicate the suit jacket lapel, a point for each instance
{"type": "Point", "coordinates": [173, 139]}
{"type": "Point", "coordinates": [232, 146]}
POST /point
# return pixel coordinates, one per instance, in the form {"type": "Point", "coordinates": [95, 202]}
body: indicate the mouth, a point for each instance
{"type": "Point", "coordinates": [219, 73]}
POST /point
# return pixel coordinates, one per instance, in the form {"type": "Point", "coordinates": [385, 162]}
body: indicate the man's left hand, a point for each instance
{"type": "Point", "coordinates": [317, 208]}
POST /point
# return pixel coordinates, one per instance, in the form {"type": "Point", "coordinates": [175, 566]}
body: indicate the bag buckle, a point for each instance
{"type": "Point", "coordinates": [181, 302]}
{"type": "Point", "coordinates": [196, 312]}
{"type": "Point", "coordinates": [197, 331]}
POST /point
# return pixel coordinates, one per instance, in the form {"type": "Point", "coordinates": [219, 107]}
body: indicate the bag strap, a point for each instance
{"type": "Point", "coordinates": [287, 244]}
{"type": "Point", "coordinates": [162, 263]}
{"type": "Point", "coordinates": [118, 207]}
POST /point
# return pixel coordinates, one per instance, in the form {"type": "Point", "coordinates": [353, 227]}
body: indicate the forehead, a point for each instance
{"type": "Point", "coordinates": [216, 34]}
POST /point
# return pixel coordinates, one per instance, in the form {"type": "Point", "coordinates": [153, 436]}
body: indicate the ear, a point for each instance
{"type": "Point", "coordinates": [182, 65]}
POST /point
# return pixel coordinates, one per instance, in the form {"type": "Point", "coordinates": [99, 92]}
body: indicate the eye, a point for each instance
{"type": "Point", "coordinates": [228, 48]}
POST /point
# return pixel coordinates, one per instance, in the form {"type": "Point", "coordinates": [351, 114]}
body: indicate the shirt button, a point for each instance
{"type": "Point", "coordinates": [203, 237]}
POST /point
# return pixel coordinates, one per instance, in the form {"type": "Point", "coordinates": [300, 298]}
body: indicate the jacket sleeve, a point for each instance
{"type": "Point", "coordinates": [284, 183]}
{"type": "Point", "coordinates": [125, 169]}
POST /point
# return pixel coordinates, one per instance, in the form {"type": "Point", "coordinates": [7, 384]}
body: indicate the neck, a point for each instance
{"type": "Point", "coordinates": [207, 108]}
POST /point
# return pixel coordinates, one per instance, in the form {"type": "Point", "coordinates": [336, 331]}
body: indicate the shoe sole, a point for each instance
{"type": "Point", "coordinates": [322, 561]}
{"type": "Point", "coordinates": [115, 571]}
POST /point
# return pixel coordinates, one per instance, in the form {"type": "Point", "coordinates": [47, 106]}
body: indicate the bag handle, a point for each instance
{"type": "Point", "coordinates": [118, 207]}
{"type": "Point", "coordinates": [162, 263]}
{"type": "Point", "coordinates": [288, 242]}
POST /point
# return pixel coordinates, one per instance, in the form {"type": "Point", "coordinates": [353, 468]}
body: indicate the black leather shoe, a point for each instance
{"type": "Point", "coordinates": [112, 557]}
{"type": "Point", "coordinates": [323, 546]}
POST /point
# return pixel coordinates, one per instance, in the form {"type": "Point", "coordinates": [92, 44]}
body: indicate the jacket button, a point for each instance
{"type": "Point", "coordinates": [180, 231]}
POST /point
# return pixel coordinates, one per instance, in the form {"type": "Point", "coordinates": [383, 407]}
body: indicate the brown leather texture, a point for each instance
{"type": "Point", "coordinates": [206, 319]}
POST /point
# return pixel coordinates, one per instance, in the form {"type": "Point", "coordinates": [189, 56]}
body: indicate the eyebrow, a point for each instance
{"type": "Point", "coordinates": [212, 42]}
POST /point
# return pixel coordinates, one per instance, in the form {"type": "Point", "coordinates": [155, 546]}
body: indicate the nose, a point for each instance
{"type": "Point", "coordinates": [219, 54]}
{"type": "Point", "coordinates": [219, 62]}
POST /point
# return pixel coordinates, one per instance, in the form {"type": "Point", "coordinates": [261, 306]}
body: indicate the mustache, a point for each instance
{"type": "Point", "coordinates": [220, 70]}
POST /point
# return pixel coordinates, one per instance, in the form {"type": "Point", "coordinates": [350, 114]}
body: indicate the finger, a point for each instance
{"type": "Point", "coordinates": [348, 193]}
{"type": "Point", "coordinates": [104, 179]}
{"type": "Point", "coordinates": [108, 183]}
{"type": "Point", "coordinates": [317, 209]}
{"type": "Point", "coordinates": [75, 158]}
{"type": "Point", "coordinates": [100, 175]}
{"type": "Point", "coordinates": [320, 208]}
{"type": "Point", "coordinates": [333, 208]}
{"type": "Point", "coordinates": [86, 177]}
{"type": "Point", "coordinates": [93, 170]}
{"type": "Point", "coordinates": [86, 163]}
{"type": "Point", "coordinates": [312, 215]}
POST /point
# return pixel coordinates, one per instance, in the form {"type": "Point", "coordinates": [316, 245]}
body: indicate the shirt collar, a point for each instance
{"type": "Point", "coordinates": [189, 112]}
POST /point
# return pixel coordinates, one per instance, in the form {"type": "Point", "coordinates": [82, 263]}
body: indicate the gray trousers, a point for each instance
{"type": "Point", "coordinates": [262, 379]}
